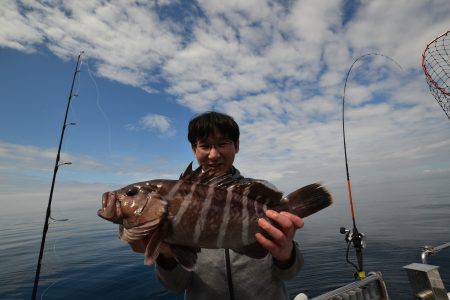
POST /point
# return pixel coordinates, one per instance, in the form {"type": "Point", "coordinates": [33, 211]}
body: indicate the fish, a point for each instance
{"type": "Point", "coordinates": [203, 211]}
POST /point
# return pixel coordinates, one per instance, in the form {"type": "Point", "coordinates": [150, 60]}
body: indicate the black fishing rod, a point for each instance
{"type": "Point", "coordinates": [55, 170]}
{"type": "Point", "coordinates": [354, 236]}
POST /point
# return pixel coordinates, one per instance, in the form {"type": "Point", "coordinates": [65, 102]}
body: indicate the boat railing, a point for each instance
{"type": "Point", "coordinates": [370, 288]}
{"type": "Point", "coordinates": [430, 250]}
{"type": "Point", "coordinates": [425, 280]}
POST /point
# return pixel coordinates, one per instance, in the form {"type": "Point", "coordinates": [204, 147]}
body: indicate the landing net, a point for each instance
{"type": "Point", "coordinates": [436, 66]}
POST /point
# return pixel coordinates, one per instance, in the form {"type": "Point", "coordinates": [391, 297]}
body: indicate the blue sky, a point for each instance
{"type": "Point", "coordinates": [276, 67]}
{"type": "Point", "coordinates": [37, 89]}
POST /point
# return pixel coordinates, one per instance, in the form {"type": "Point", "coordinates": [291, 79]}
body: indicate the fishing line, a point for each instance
{"type": "Point", "coordinates": [100, 108]}
{"type": "Point", "coordinates": [52, 261]}
{"type": "Point", "coordinates": [53, 283]}
{"type": "Point", "coordinates": [355, 236]}
{"type": "Point", "coordinates": [59, 281]}
{"type": "Point", "coordinates": [90, 281]}
{"type": "Point", "coordinates": [56, 256]}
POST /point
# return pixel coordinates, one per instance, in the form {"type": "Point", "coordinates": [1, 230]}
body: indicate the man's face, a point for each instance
{"type": "Point", "coordinates": [216, 153]}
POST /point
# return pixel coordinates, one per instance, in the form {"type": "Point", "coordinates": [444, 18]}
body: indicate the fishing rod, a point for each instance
{"type": "Point", "coordinates": [354, 236]}
{"type": "Point", "coordinates": [55, 170]}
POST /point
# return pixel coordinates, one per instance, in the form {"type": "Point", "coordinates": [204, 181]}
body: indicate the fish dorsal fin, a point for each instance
{"type": "Point", "coordinates": [226, 182]}
{"type": "Point", "coordinates": [256, 189]}
{"type": "Point", "coordinates": [210, 178]}
{"type": "Point", "coordinates": [259, 190]}
{"type": "Point", "coordinates": [205, 177]}
{"type": "Point", "coordinates": [187, 174]}
{"type": "Point", "coordinates": [199, 177]}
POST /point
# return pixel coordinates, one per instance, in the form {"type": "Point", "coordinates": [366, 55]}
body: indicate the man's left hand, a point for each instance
{"type": "Point", "coordinates": [280, 242]}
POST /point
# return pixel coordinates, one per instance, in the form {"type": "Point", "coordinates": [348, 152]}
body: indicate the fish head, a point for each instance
{"type": "Point", "coordinates": [133, 205]}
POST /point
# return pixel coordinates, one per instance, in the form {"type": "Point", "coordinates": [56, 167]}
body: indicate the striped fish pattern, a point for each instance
{"type": "Point", "coordinates": [200, 211]}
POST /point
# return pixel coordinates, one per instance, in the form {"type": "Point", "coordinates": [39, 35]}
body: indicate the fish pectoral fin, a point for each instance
{"type": "Point", "coordinates": [138, 232]}
{"type": "Point", "coordinates": [185, 256]}
{"type": "Point", "coordinates": [254, 250]}
{"type": "Point", "coordinates": [152, 249]}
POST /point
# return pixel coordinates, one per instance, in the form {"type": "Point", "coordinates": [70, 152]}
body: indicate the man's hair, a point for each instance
{"type": "Point", "coordinates": [205, 124]}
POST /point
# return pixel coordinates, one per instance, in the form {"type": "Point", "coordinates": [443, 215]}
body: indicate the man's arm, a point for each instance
{"type": "Point", "coordinates": [287, 258]}
{"type": "Point", "coordinates": [289, 270]}
{"type": "Point", "coordinates": [169, 271]}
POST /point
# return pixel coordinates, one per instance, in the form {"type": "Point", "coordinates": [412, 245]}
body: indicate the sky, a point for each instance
{"type": "Point", "coordinates": [277, 67]}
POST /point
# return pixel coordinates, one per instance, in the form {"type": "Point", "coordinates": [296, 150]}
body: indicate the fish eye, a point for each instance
{"type": "Point", "coordinates": [132, 192]}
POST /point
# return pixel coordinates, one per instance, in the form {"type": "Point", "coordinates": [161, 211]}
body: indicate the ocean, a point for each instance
{"type": "Point", "coordinates": [83, 257]}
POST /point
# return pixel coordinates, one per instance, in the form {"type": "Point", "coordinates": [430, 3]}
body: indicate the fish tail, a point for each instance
{"type": "Point", "coordinates": [308, 200]}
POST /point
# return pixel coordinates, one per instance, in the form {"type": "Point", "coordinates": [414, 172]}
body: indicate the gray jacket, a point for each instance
{"type": "Point", "coordinates": [250, 278]}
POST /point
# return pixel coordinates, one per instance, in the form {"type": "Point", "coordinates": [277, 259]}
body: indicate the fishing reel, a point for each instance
{"type": "Point", "coordinates": [351, 236]}
{"type": "Point", "coordinates": [357, 239]}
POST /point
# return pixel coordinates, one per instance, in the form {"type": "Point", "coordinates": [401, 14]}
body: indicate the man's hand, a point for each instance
{"type": "Point", "coordinates": [280, 244]}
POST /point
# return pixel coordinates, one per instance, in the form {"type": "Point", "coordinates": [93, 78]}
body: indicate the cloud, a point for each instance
{"type": "Point", "coordinates": [399, 35]}
{"type": "Point", "coordinates": [30, 157]}
{"type": "Point", "coordinates": [17, 31]}
{"type": "Point", "coordinates": [154, 122]}
{"type": "Point", "coordinates": [126, 39]}
{"type": "Point", "coordinates": [28, 160]}
{"type": "Point", "coordinates": [436, 171]}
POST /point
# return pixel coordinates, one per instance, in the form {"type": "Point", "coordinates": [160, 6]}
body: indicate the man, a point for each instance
{"type": "Point", "coordinates": [224, 274]}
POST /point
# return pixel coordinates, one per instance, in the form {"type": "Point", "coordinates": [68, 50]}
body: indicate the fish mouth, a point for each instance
{"type": "Point", "coordinates": [110, 208]}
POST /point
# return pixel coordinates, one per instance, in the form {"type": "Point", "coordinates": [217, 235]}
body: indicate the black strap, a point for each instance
{"type": "Point", "coordinates": [229, 279]}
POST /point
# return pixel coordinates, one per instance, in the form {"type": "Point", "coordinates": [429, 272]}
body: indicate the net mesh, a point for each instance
{"type": "Point", "coordinates": [436, 65]}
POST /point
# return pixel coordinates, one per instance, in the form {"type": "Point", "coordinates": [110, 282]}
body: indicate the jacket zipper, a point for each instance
{"type": "Point", "coordinates": [229, 279]}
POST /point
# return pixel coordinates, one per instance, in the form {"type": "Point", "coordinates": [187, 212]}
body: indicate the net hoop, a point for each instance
{"type": "Point", "coordinates": [436, 66]}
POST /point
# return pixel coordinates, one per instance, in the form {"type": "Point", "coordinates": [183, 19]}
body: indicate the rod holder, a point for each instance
{"type": "Point", "coordinates": [426, 282]}
{"type": "Point", "coordinates": [430, 250]}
